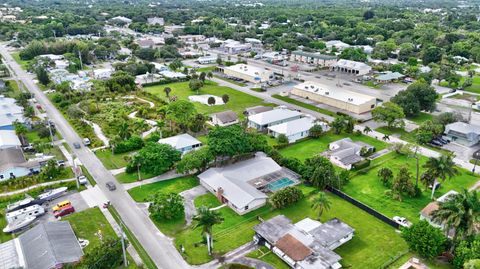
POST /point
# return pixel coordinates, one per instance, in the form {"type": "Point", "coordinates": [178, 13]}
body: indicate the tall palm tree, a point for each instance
{"type": "Point", "coordinates": [442, 168]}
{"type": "Point", "coordinates": [367, 130]}
{"type": "Point", "coordinates": [206, 218]}
{"type": "Point", "coordinates": [386, 137]}
{"type": "Point", "coordinates": [461, 212]}
{"type": "Point", "coordinates": [321, 203]}
{"type": "Point", "coordinates": [20, 131]}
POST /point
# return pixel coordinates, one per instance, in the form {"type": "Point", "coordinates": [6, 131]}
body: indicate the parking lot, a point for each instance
{"type": "Point", "coordinates": [73, 196]}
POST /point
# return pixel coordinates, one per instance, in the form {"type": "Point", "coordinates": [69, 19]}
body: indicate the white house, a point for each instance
{"type": "Point", "coordinates": [262, 121]}
{"type": "Point", "coordinates": [242, 185]}
{"type": "Point", "coordinates": [182, 142]}
{"type": "Point", "coordinates": [463, 133]}
{"type": "Point", "coordinates": [9, 139]}
{"type": "Point", "coordinates": [426, 213]}
{"type": "Point", "coordinates": [62, 64]}
{"type": "Point", "coordinates": [10, 112]}
{"type": "Point", "coordinates": [296, 129]}
{"type": "Point", "coordinates": [249, 73]}
{"type": "Point", "coordinates": [352, 67]}
{"type": "Point", "coordinates": [207, 60]}
{"type": "Point", "coordinates": [345, 152]}
{"type": "Point", "coordinates": [307, 244]}
{"type": "Point", "coordinates": [224, 118]}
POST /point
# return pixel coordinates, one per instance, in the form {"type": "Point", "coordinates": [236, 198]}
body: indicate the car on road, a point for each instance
{"type": "Point", "coordinates": [82, 179]}
{"type": "Point", "coordinates": [402, 221]}
{"type": "Point", "coordinates": [77, 145]}
{"type": "Point", "coordinates": [111, 186]}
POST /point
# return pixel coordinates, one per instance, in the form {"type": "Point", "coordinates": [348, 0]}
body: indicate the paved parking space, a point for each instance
{"type": "Point", "coordinates": [74, 197]}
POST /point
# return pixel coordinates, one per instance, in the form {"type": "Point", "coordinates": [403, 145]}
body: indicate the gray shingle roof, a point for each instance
{"type": "Point", "coordinates": [226, 116]}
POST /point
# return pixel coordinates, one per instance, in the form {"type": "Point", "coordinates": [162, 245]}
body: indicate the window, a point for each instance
{"type": "Point", "coordinates": [372, 106]}
{"type": "Point", "coordinates": [246, 207]}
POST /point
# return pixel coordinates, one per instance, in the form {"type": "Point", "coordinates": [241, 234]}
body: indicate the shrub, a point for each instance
{"type": "Point", "coordinates": [361, 164]}
{"type": "Point", "coordinates": [133, 143]}
{"type": "Point", "coordinates": [286, 197]}
{"type": "Point", "coordinates": [425, 239]}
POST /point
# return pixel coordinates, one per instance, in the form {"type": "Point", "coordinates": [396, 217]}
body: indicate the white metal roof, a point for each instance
{"type": "Point", "coordinates": [8, 139]}
{"type": "Point", "coordinates": [249, 70]}
{"type": "Point", "coordinates": [273, 116]}
{"type": "Point", "coordinates": [293, 127]}
{"type": "Point", "coordinates": [335, 93]}
{"type": "Point", "coordinates": [180, 141]}
{"type": "Point", "coordinates": [352, 65]}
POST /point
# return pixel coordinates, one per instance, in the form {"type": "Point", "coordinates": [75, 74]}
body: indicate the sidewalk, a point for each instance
{"type": "Point", "coordinates": [168, 175]}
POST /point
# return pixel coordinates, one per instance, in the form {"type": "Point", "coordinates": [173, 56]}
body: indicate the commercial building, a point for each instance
{"type": "Point", "coordinates": [389, 77]}
{"type": "Point", "coordinates": [207, 60]}
{"type": "Point", "coordinates": [249, 73]}
{"type": "Point", "coordinates": [339, 98]}
{"type": "Point", "coordinates": [47, 245]}
{"type": "Point", "coordinates": [182, 142]}
{"type": "Point", "coordinates": [351, 67]}
{"type": "Point", "coordinates": [243, 185]}
{"type": "Point", "coordinates": [262, 121]}
{"type": "Point", "coordinates": [317, 59]}
{"type": "Point", "coordinates": [296, 129]}
{"type": "Point", "coordinates": [463, 133]}
{"type": "Point", "coordinates": [231, 46]}
{"type": "Point", "coordinates": [307, 244]}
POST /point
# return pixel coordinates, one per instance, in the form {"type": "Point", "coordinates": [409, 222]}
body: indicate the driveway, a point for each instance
{"type": "Point", "coordinates": [189, 196]}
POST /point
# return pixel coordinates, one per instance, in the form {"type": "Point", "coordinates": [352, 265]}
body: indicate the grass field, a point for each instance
{"type": "Point", "coordinates": [365, 186]}
{"type": "Point", "coordinates": [175, 185]}
{"type": "Point", "coordinates": [264, 254]}
{"type": "Point", "coordinates": [421, 118]}
{"type": "Point", "coordinates": [238, 101]}
{"type": "Point", "coordinates": [113, 161]}
{"type": "Point", "coordinates": [311, 147]}
{"type": "Point", "coordinates": [371, 235]}
{"type": "Point", "coordinates": [22, 63]}
{"type": "Point", "coordinates": [132, 177]}
{"type": "Point", "coordinates": [305, 105]}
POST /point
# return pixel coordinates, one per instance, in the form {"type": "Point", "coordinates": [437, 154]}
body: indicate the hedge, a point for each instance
{"type": "Point", "coordinates": [133, 143]}
{"type": "Point", "coordinates": [361, 164]}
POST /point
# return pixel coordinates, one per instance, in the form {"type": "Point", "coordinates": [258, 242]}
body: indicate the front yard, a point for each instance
{"type": "Point", "coordinates": [238, 101]}
{"type": "Point", "coordinates": [176, 185]}
{"type": "Point", "coordinates": [365, 186]}
{"type": "Point", "coordinates": [311, 147]}
{"type": "Point", "coordinates": [113, 161]}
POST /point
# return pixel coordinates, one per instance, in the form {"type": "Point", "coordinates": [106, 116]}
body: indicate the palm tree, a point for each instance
{"type": "Point", "coordinates": [124, 130]}
{"type": "Point", "coordinates": [442, 168]}
{"type": "Point", "coordinates": [386, 137]}
{"type": "Point", "coordinates": [367, 130]}
{"type": "Point", "coordinates": [461, 212]}
{"type": "Point", "coordinates": [206, 218]}
{"type": "Point", "coordinates": [167, 91]}
{"type": "Point", "coordinates": [321, 203]}
{"type": "Point", "coordinates": [20, 131]}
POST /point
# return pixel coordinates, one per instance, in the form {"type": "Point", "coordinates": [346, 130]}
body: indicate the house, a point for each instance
{"type": "Point", "coordinates": [61, 64]}
{"type": "Point", "coordinates": [307, 244]}
{"type": "Point", "coordinates": [13, 163]}
{"type": "Point", "coordinates": [249, 111]}
{"type": "Point", "coordinates": [426, 213]}
{"type": "Point", "coordinates": [336, 97]}
{"type": "Point", "coordinates": [224, 118]}
{"type": "Point", "coordinates": [122, 19]}
{"type": "Point", "coordinates": [463, 133]}
{"type": "Point", "coordinates": [345, 152]}
{"type": "Point", "coordinates": [313, 58]}
{"type": "Point", "coordinates": [50, 57]}
{"type": "Point", "coordinates": [389, 77]}
{"type": "Point", "coordinates": [172, 74]}
{"type": "Point", "coordinates": [296, 129]}
{"type": "Point", "coordinates": [182, 142]}
{"type": "Point", "coordinates": [242, 185]}
{"type": "Point", "coordinates": [273, 57]}
{"type": "Point", "coordinates": [48, 245]}
{"type": "Point", "coordinates": [191, 39]}
{"type": "Point", "coordinates": [207, 60]}
{"type": "Point", "coordinates": [351, 67]}
{"type": "Point", "coordinates": [262, 121]}
{"type": "Point", "coordinates": [9, 139]}
{"type": "Point", "coordinates": [10, 113]}
{"type": "Point", "coordinates": [249, 73]}
{"type": "Point", "coordinates": [103, 73]}
{"type": "Point", "coordinates": [339, 45]}
{"type": "Point", "coordinates": [155, 20]}
{"type": "Point", "coordinates": [145, 43]}
{"type": "Point", "coordinates": [170, 29]}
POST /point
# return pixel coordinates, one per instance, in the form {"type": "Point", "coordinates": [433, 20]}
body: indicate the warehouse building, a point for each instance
{"type": "Point", "coordinates": [249, 73]}
{"type": "Point", "coordinates": [339, 98]}
{"type": "Point", "coordinates": [352, 67]}
{"type": "Point", "coordinates": [313, 58]}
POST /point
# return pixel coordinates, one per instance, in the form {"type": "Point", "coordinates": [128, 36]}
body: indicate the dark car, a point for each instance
{"type": "Point", "coordinates": [111, 186]}
{"type": "Point", "coordinates": [76, 145]}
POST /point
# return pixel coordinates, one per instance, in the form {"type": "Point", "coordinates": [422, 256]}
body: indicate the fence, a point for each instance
{"type": "Point", "coordinates": [364, 207]}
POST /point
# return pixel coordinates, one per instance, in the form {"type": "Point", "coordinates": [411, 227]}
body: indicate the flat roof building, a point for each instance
{"type": "Point", "coordinates": [262, 121]}
{"type": "Point", "coordinates": [307, 244]}
{"type": "Point", "coordinates": [352, 67]}
{"type": "Point", "coordinates": [10, 113]}
{"type": "Point", "coordinates": [9, 139]}
{"type": "Point", "coordinates": [249, 73]}
{"type": "Point", "coordinates": [313, 58]}
{"type": "Point", "coordinates": [463, 133]}
{"type": "Point", "coordinates": [339, 98]}
{"type": "Point", "coordinates": [340, 45]}
{"type": "Point", "coordinates": [389, 77]}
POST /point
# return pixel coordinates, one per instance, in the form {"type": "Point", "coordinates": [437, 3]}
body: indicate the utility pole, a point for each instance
{"type": "Point", "coordinates": [125, 264]}
{"type": "Point", "coordinates": [50, 129]}
{"type": "Point", "coordinates": [80, 57]}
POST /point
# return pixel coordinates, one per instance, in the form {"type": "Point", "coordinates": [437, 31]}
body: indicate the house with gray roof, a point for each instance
{"type": "Point", "coordinates": [224, 118]}
{"type": "Point", "coordinates": [243, 185]}
{"type": "Point", "coordinates": [13, 163]}
{"type": "Point", "coordinates": [463, 133]}
{"type": "Point", "coordinates": [262, 121]}
{"type": "Point", "coordinates": [46, 246]}
{"type": "Point", "coordinates": [249, 111]}
{"type": "Point", "coordinates": [345, 152]}
{"type": "Point", "coordinates": [182, 142]}
{"type": "Point", "coordinates": [389, 77]}
{"type": "Point", "coordinates": [307, 244]}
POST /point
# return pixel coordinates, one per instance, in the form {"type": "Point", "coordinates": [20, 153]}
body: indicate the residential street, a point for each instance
{"type": "Point", "coordinates": [158, 246]}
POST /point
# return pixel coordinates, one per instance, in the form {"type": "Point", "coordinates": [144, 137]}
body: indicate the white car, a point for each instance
{"type": "Point", "coordinates": [82, 180]}
{"type": "Point", "coordinates": [402, 221]}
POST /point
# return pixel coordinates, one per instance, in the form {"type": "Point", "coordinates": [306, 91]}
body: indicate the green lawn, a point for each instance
{"type": "Point", "coordinates": [372, 84]}
{"type": "Point", "coordinates": [113, 161]}
{"type": "Point", "coordinates": [175, 185]}
{"type": "Point", "coordinates": [206, 69]}
{"type": "Point", "coordinates": [33, 137]}
{"type": "Point", "coordinates": [311, 147]}
{"type": "Point", "coordinates": [371, 235]}
{"type": "Point", "coordinates": [366, 187]}
{"type": "Point", "coordinates": [421, 118]}
{"type": "Point", "coordinates": [14, 89]}
{"type": "Point", "coordinates": [264, 254]}
{"type": "Point", "coordinates": [238, 101]}
{"type": "Point", "coordinates": [22, 63]}
{"type": "Point", "coordinates": [132, 177]}
{"type": "Point", "coordinates": [305, 105]}
{"type": "Point", "coordinates": [465, 96]}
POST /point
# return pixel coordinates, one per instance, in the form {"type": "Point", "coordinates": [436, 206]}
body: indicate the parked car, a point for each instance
{"type": "Point", "coordinates": [61, 205]}
{"type": "Point", "coordinates": [64, 211]}
{"type": "Point", "coordinates": [402, 221]}
{"type": "Point", "coordinates": [76, 145]}
{"type": "Point", "coordinates": [61, 163]}
{"type": "Point", "coordinates": [86, 141]}
{"type": "Point", "coordinates": [82, 179]}
{"type": "Point", "coordinates": [111, 186]}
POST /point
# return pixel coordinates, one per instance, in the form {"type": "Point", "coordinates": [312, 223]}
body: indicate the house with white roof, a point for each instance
{"type": "Point", "coordinates": [340, 45]}
{"type": "Point", "coordinates": [9, 139]}
{"type": "Point", "coordinates": [337, 97]}
{"type": "Point", "coordinates": [463, 133]}
{"type": "Point", "coordinates": [207, 59]}
{"type": "Point", "coordinates": [103, 73]}
{"type": "Point", "coordinates": [62, 64]}
{"type": "Point", "coordinates": [262, 121]}
{"type": "Point", "coordinates": [172, 74]}
{"type": "Point", "coordinates": [182, 142]}
{"type": "Point", "coordinates": [243, 185]}
{"type": "Point", "coordinates": [307, 244]}
{"type": "Point", "coordinates": [296, 129]}
{"type": "Point", "coordinates": [352, 67]}
{"type": "Point", "coordinates": [10, 113]}
{"type": "Point", "coordinates": [249, 73]}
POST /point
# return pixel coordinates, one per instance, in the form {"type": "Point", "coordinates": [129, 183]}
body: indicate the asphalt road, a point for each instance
{"type": "Point", "coordinates": [159, 247]}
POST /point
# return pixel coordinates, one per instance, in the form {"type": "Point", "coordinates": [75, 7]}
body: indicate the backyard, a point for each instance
{"type": "Point", "coordinates": [238, 101]}
{"type": "Point", "coordinates": [365, 186]}
{"type": "Point", "coordinates": [311, 147]}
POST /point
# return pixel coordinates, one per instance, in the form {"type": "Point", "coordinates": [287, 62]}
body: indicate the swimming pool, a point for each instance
{"type": "Point", "coordinates": [280, 184]}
